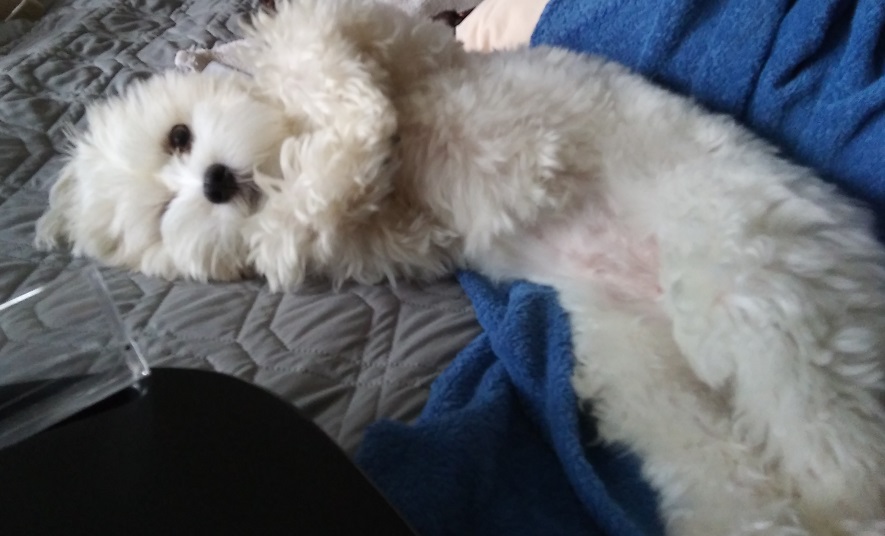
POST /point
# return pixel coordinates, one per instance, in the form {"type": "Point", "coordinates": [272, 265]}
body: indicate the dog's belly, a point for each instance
{"type": "Point", "coordinates": [624, 264]}
{"type": "Point", "coordinates": [591, 246]}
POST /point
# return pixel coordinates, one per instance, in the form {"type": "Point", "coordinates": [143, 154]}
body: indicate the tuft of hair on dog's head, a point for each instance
{"type": "Point", "coordinates": [161, 180]}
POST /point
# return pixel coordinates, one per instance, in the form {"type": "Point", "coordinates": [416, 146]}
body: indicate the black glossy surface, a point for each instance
{"type": "Point", "coordinates": [198, 453]}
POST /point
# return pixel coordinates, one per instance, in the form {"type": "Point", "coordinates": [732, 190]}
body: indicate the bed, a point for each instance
{"type": "Point", "coordinates": [369, 355]}
{"type": "Point", "coordinates": [346, 359]}
{"type": "Point", "coordinates": [356, 360]}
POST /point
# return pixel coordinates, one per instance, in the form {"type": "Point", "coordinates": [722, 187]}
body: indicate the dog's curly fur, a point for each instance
{"type": "Point", "coordinates": [726, 305]}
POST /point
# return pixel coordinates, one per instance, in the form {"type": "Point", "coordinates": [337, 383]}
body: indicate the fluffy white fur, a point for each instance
{"type": "Point", "coordinates": [727, 306]}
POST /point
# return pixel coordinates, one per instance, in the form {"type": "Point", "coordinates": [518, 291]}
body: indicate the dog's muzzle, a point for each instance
{"type": "Point", "coordinates": [219, 184]}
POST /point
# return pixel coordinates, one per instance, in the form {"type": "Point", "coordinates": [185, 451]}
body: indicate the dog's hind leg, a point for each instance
{"type": "Point", "coordinates": [775, 287]}
{"type": "Point", "coordinates": [645, 396]}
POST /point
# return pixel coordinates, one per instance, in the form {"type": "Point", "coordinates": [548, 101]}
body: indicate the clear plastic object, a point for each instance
{"type": "Point", "coordinates": [63, 347]}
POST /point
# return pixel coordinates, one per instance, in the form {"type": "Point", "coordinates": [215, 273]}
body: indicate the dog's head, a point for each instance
{"type": "Point", "coordinates": [162, 180]}
{"type": "Point", "coordinates": [209, 178]}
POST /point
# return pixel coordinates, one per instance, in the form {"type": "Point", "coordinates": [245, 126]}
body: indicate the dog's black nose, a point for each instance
{"type": "Point", "coordinates": [219, 184]}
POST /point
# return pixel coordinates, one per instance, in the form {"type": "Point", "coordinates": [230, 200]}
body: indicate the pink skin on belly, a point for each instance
{"type": "Point", "coordinates": [597, 246]}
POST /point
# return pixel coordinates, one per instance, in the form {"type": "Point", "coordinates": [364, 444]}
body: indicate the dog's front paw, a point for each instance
{"type": "Point", "coordinates": [279, 249]}
{"type": "Point", "coordinates": [329, 183]}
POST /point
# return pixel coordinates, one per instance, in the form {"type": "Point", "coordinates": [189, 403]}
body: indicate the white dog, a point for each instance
{"type": "Point", "coordinates": [728, 307]}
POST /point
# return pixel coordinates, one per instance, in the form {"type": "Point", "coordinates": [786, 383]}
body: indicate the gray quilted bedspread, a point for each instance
{"type": "Point", "coordinates": [345, 358]}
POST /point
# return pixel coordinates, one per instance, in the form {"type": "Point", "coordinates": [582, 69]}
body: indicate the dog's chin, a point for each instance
{"type": "Point", "coordinates": [204, 241]}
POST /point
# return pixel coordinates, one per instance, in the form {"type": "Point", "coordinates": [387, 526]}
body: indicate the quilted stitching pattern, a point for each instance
{"type": "Point", "coordinates": [346, 359]}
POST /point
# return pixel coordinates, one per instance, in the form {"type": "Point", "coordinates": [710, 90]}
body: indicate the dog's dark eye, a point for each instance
{"type": "Point", "coordinates": [180, 138]}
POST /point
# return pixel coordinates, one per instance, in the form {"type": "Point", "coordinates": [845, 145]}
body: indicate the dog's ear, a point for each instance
{"type": "Point", "coordinates": [53, 226]}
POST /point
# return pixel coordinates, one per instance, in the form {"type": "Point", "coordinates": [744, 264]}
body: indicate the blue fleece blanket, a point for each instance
{"type": "Point", "coordinates": [500, 447]}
